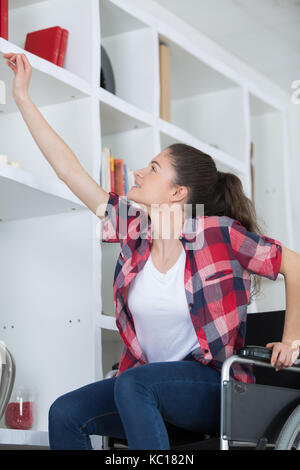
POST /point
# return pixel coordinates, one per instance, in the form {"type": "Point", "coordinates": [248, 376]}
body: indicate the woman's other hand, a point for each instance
{"type": "Point", "coordinates": [284, 353]}
{"type": "Point", "coordinates": [21, 67]}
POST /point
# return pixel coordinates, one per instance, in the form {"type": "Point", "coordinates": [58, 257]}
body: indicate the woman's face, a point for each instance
{"type": "Point", "coordinates": [155, 184]}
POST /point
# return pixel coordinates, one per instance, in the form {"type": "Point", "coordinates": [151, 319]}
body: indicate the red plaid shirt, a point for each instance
{"type": "Point", "coordinates": [216, 279]}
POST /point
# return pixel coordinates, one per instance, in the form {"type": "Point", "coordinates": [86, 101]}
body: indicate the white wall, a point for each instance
{"type": "Point", "coordinates": [294, 133]}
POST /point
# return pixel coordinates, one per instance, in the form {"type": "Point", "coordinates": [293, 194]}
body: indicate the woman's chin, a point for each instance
{"type": "Point", "coordinates": [132, 190]}
{"type": "Point", "coordinates": [131, 193]}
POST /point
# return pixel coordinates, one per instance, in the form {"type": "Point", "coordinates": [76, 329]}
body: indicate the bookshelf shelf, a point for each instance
{"type": "Point", "coordinates": [24, 196]}
{"type": "Point", "coordinates": [24, 437]}
{"type": "Point", "coordinates": [170, 133]}
{"type": "Point", "coordinates": [13, 4]}
{"type": "Point", "coordinates": [49, 85]}
{"type": "Point", "coordinates": [52, 292]}
{"type": "Point", "coordinates": [118, 115]}
{"type": "Point", "coordinates": [107, 321]}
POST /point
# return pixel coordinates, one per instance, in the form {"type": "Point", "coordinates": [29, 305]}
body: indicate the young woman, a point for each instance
{"type": "Point", "coordinates": [181, 298]}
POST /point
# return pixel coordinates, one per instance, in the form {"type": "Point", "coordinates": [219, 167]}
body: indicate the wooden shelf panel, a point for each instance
{"type": "Point", "coordinates": [119, 116]}
{"type": "Point", "coordinates": [24, 437]}
{"type": "Point", "coordinates": [22, 3]}
{"type": "Point", "coordinates": [23, 196]}
{"type": "Point", "coordinates": [49, 83]}
{"type": "Point", "coordinates": [171, 133]}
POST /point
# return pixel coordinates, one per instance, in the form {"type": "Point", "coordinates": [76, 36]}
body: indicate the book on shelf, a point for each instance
{"type": "Point", "coordinates": [63, 47]}
{"type": "Point", "coordinates": [4, 19]}
{"type": "Point", "coordinates": [165, 81]}
{"type": "Point", "coordinates": [115, 174]}
{"type": "Point", "coordinates": [49, 44]}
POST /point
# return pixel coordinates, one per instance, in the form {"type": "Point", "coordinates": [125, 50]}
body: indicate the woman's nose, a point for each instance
{"type": "Point", "coordinates": [137, 173]}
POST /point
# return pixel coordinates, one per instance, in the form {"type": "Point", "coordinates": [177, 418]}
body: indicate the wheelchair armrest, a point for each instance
{"type": "Point", "coordinates": [260, 353]}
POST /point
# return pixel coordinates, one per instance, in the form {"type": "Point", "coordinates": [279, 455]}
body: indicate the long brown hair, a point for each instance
{"type": "Point", "coordinates": [221, 196]}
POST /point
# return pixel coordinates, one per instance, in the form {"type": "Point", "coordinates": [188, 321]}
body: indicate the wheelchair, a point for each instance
{"type": "Point", "coordinates": [260, 416]}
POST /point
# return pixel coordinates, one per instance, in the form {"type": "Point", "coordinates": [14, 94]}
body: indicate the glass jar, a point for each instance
{"type": "Point", "coordinates": [20, 411]}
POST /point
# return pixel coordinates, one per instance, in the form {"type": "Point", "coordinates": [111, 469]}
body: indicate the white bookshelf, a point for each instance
{"type": "Point", "coordinates": [57, 303]}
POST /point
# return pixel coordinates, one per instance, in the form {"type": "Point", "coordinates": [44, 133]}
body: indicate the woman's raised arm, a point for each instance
{"type": "Point", "coordinates": [59, 155]}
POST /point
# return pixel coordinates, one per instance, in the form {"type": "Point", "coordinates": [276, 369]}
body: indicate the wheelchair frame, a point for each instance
{"type": "Point", "coordinates": [237, 398]}
{"type": "Point", "coordinates": [271, 416]}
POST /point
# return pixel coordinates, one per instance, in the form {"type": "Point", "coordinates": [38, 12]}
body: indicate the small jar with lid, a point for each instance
{"type": "Point", "coordinates": [20, 411]}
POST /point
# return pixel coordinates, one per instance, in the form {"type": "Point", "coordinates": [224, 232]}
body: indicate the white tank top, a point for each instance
{"type": "Point", "coordinates": [160, 311]}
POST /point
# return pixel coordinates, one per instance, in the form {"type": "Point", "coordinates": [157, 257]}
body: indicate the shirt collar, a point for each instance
{"type": "Point", "coordinates": [191, 228]}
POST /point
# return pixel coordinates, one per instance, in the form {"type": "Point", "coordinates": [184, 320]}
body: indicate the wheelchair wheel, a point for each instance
{"type": "Point", "coordinates": [289, 437]}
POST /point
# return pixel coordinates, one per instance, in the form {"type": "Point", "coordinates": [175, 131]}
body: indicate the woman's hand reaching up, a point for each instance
{"type": "Point", "coordinates": [21, 67]}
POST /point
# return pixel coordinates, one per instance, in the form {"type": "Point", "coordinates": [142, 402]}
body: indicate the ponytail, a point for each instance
{"type": "Point", "coordinates": [221, 193]}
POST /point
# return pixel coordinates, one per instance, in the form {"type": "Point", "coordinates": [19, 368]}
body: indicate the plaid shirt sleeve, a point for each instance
{"type": "Point", "coordinates": [257, 253]}
{"type": "Point", "coordinates": [122, 220]}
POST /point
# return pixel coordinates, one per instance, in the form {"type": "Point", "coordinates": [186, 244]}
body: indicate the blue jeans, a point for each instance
{"type": "Point", "coordinates": [136, 404]}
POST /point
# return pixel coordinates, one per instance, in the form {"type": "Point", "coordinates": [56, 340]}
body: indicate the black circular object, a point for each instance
{"type": "Point", "coordinates": [107, 79]}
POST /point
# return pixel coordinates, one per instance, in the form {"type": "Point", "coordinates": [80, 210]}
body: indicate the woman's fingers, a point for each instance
{"type": "Point", "coordinates": [281, 360]}
{"type": "Point", "coordinates": [18, 59]}
{"type": "Point", "coordinates": [10, 60]}
{"type": "Point", "coordinates": [278, 356]}
{"type": "Point", "coordinates": [275, 353]}
{"type": "Point", "coordinates": [11, 66]}
{"type": "Point", "coordinates": [11, 57]}
{"type": "Point", "coordinates": [20, 62]}
{"type": "Point", "coordinates": [26, 62]}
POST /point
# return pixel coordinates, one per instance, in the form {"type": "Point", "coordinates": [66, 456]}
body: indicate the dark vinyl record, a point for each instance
{"type": "Point", "coordinates": [107, 79]}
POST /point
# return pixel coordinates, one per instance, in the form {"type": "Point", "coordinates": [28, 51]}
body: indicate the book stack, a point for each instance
{"type": "Point", "coordinates": [49, 43]}
{"type": "Point", "coordinates": [4, 19]}
{"type": "Point", "coordinates": [115, 174]}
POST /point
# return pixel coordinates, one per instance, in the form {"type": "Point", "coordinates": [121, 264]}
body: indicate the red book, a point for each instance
{"type": "Point", "coordinates": [4, 19]}
{"type": "Point", "coordinates": [63, 47]}
{"type": "Point", "coordinates": [45, 43]}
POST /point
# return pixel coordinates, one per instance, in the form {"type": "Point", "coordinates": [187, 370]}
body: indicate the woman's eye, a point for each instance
{"type": "Point", "coordinates": [153, 167]}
